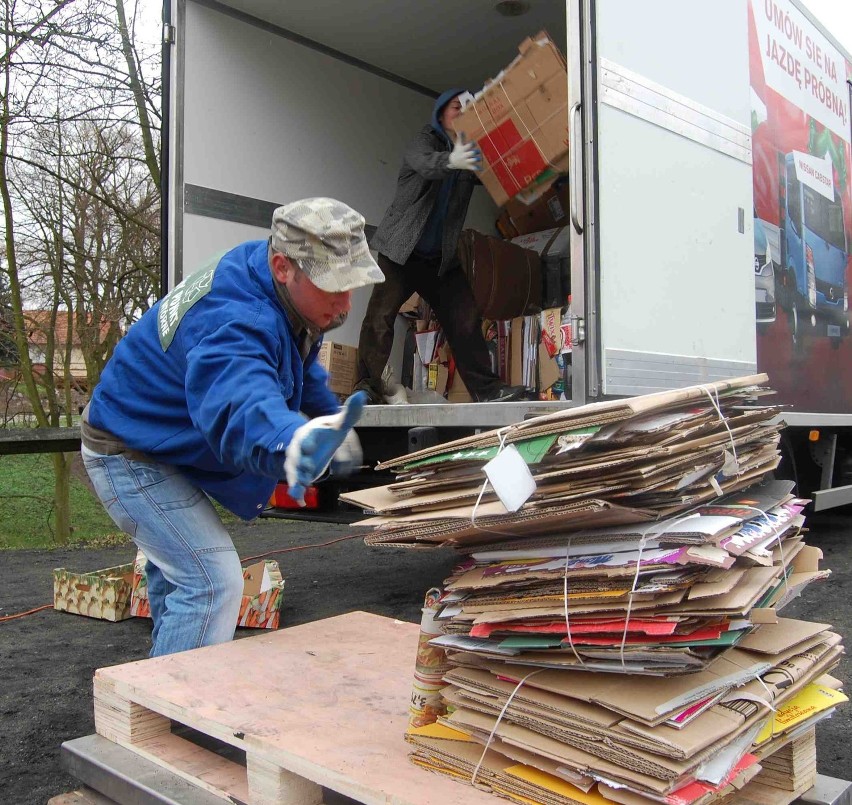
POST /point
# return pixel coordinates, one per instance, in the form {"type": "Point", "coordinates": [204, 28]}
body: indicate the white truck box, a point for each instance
{"type": "Point", "coordinates": [674, 183]}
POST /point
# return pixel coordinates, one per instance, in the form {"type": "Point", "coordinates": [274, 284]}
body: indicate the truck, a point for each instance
{"type": "Point", "coordinates": [681, 118]}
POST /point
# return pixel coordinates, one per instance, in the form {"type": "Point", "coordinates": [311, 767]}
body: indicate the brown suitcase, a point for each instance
{"type": "Point", "coordinates": [505, 278]}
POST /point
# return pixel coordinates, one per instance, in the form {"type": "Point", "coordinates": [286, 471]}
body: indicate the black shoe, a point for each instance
{"type": "Point", "coordinates": [373, 397]}
{"type": "Point", "coordinates": [506, 394]}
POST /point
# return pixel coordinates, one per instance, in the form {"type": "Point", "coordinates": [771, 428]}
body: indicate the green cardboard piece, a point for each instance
{"type": "Point", "coordinates": [532, 451]}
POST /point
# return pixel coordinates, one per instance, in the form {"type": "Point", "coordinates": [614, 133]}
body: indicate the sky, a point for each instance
{"type": "Point", "coordinates": [836, 15]}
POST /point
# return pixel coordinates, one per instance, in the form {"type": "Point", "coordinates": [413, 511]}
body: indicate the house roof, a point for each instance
{"type": "Point", "coordinates": [38, 323]}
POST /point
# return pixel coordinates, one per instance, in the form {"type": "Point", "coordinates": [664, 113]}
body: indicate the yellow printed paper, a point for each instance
{"type": "Point", "coordinates": [441, 732]}
{"type": "Point", "coordinates": [812, 699]}
{"type": "Point", "coordinates": [558, 786]}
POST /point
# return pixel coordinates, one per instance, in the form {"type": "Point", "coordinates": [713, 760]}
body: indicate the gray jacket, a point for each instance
{"type": "Point", "coordinates": [424, 167]}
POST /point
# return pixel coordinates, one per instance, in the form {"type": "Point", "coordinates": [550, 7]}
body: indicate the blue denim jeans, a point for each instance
{"type": "Point", "coordinates": [195, 580]}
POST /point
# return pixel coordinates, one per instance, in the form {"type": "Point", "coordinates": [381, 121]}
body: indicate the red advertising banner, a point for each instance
{"type": "Point", "coordinates": [800, 120]}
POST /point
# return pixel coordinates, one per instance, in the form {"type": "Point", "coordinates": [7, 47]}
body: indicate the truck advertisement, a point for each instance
{"type": "Point", "coordinates": [800, 99]}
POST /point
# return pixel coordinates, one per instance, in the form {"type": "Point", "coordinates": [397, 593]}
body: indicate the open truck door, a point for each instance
{"type": "Point", "coordinates": [662, 228]}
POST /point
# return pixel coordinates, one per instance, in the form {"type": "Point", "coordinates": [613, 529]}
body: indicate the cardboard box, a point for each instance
{"type": "Point", "coordinates": [519, 120]}
{"type": "Point", "coordinates": [341, 362]}
{"type": "Point", "coordinates": [103, 594]}
{"type": "Point", "coordinates": [458, 392]}
{"type": "Point", "coordinates": [549, 211]}
{"type": "Point", "coordinates": [411, 306]}
{"type": "Point", "coordinates": [260, 608]}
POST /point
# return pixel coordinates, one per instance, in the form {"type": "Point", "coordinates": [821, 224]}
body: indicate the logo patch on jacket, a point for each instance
{"type": "Point", "coordinates": [177, 301]}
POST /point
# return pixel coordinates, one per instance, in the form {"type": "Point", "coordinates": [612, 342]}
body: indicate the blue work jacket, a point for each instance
{"type": "Point", "coordinates": [210, 380]}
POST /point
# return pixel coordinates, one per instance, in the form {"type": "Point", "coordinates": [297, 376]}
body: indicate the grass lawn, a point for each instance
{"type": "Point", "coordinates": [26, 507]}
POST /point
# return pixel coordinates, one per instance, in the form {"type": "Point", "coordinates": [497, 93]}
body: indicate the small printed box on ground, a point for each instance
{"type": "Point", "coordinates": [103, 594]}
{"type": "Point", "coordinates": [260, 607]}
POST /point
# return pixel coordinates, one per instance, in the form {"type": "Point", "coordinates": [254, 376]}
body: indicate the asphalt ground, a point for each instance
{"type": "Point", "coordinates": [47, 659]}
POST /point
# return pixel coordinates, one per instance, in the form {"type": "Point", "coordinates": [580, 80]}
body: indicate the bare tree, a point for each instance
{"type": "Point", "coordinates": [79, 173]}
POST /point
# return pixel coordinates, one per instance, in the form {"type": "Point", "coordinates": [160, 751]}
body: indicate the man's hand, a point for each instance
{"type": "Point", "coordinates": [465, 156]}
{"type": "Point", "coordinates": [348, 458]}
{"type": "Point", "coordinates": [315, 443]}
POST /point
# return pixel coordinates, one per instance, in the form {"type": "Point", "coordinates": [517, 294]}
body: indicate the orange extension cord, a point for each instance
{"type": "Point", "coordinates": [243, 559]}
{"type": "Point", "coordinates": [22, 614]}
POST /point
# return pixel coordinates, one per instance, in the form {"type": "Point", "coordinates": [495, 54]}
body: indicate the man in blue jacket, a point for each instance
{"type": "Point", "coordinates": [216, 393]}
{"type": "Point", "coordinates": [417, 241]}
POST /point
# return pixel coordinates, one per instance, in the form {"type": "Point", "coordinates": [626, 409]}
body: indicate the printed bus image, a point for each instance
{"type": "Point", "coordinates": [811, 282]}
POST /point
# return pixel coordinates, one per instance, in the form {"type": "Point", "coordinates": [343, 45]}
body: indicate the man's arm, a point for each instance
{"type": "Point", "coordinates": [429, 161]}
{"type": "Point", "coordinates": [235, 398]}
{"type": "Point", "coordinates": [317, 400]}
{"type": "Point", "coordinates": [433, 163]}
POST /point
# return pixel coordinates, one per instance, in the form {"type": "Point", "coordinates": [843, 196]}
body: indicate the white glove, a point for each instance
{"type": "Point", "coordinates": [315, 444]}
{"type": "Point", "coordinates": [465, 156]}
{"type": "Point", "coordinates": [348, 457]}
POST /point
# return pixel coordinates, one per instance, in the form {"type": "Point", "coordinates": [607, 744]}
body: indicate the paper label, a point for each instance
{"type": "Point", "coordinates": [266, 582]}
{"type": "Point", "coordinates": [511, 478]}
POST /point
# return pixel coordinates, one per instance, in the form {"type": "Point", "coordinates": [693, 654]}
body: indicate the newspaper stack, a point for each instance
{"type": "Point", "coordinates": [613, 631]}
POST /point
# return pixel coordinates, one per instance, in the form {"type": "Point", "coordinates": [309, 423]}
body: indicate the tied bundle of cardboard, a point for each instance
{"type": "Point", "coordinates": [519, 121]}
{"type": "Point", "coordinates": [612, 632]}
{"type": "Point", "coordinates": [622, 461]}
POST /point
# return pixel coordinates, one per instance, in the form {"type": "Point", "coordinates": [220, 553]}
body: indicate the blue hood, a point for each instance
{"type": "Point", "coordinates": [443, 99]}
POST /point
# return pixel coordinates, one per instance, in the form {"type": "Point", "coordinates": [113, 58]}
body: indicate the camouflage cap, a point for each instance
{"type": "Point", "coordinates": [325, 238]}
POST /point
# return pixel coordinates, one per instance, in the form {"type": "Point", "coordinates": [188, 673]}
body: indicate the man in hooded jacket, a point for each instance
{"type": "Point", "coordinates": [417, 241]}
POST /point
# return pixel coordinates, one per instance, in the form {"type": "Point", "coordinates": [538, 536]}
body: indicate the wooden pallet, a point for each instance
{"type": "Point", "coordinates": [83, 796]}
{"type": "Point", "coordinates": [794, 766]}
{"type": "Point", "coordinates": [323, 704]}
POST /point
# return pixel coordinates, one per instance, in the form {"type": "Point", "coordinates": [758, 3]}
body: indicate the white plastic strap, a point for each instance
{"type": "Point", "coordinates": [717, 405]}
{"type": "Point", "coordinates": [496, 149]}
{"type": "Point", "coordinates": [565, 601]}
{"type": "Point", "coordinates": [769, 705]}
{"type": "Point", "coordinates": [497, 723]}
{"type": "Point", "coordinates": [777, 539]}
{"type": "Point", "coordinates": [643, 541]}
{"type": "Point", "coordinates": [642, 544]}
{"type": "Point", "coordinates": [531, 135]}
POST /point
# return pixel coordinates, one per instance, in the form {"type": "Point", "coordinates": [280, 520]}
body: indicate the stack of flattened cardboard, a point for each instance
{"type": "Point", "coordinates": [651, 670]}
{"type": "Point", "coordinates": [639, 739]}
{"type": "Point", "coordinates": [613, 631]}
{"type": "Point", "coordinates": [622, 461]}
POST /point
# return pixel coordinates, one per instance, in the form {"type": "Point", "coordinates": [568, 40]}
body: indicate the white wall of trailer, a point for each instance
{"type": "Point", "coordinates": [271, 119]}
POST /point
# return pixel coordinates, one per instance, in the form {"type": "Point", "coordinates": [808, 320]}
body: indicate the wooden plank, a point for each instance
{"type": "Point", "coordinates": [268, 782]}
{"type": "Point", "coordinates": [83, 796]}
{"type": "Point", "coordinates": [326, 701]}
{"type": "Point", "coordinates": [199, 766]}
{"type": "Point", "coordinates": [794, 766]}
{"type": "Point", "coordinates": [39, 440]}
{"type": "Point", "coordinates": [124, 721]}
{"type": "Point", "coordinates": [755, 793]}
